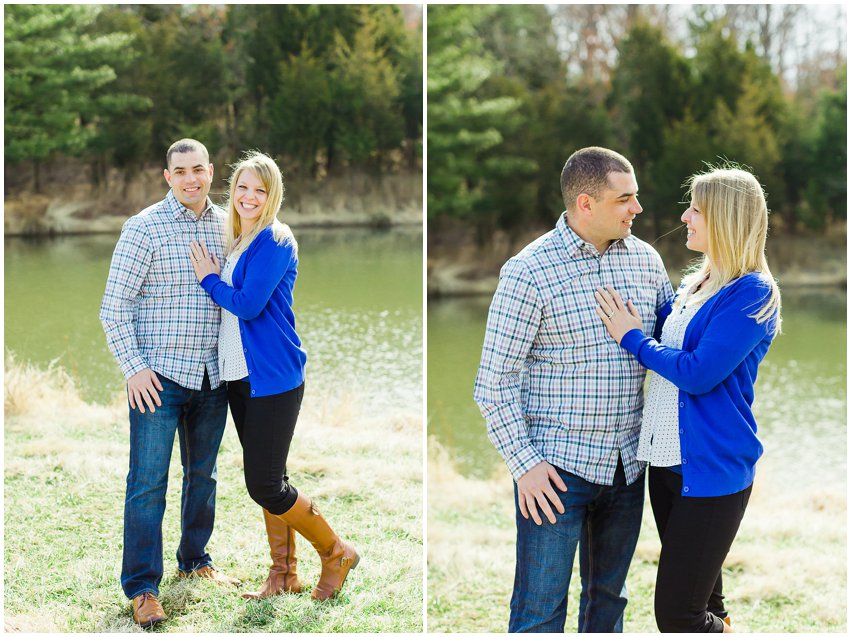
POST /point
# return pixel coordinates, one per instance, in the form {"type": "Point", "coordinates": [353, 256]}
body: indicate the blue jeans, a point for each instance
{"type": "Point", "coordinates": [604, 522]}
{"type": "Point", "coordinates": [199, 418]}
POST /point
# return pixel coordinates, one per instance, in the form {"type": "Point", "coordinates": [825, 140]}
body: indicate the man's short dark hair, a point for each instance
{"type": "Point", "coordinates": [587, 171]}
{"type": "Point", "coordinates": [186, 146]}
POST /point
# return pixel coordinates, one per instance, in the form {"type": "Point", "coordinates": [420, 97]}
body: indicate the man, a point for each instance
{"type": "Point", "coordinates": [563, 401]}
{"type": "Point", "coordinates": [163, 329]}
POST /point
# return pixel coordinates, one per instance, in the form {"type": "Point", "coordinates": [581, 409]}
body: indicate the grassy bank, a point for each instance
{"type": "Point", "coordinates": [785, 573]}
{"type": "Point", "coordinates": [65, 466]}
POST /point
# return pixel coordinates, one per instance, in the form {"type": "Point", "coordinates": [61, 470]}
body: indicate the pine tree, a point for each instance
{"type": "Point", "coordinates": [53, 68]}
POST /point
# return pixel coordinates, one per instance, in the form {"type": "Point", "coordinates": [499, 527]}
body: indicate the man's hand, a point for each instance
{"type": "Point", "coordinates": [534, 489]}
{"type": "Point", "coordinates": [142, 389]}
{"type": "Point", "coordinates": [203, 262]}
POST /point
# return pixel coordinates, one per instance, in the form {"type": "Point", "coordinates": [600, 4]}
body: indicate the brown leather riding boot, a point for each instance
{"type": "Point", "coordinates": [282, 574]}
{"type": "Point", "coordinates": [338, 557]}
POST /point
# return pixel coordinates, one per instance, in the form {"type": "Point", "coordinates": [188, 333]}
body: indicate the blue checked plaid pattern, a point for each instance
{"type": "Point", "coordinates": [552, 384]}
{"type": "Point", "coordinates": [154, 312]}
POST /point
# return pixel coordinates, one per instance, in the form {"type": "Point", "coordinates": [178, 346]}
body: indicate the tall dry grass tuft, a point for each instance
{"type": "Point", "coordinates": [28, 390]}
{"type": "Point", "coordinates": [37, 398]}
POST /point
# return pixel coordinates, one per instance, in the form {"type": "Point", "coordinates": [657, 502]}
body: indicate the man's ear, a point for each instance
{"type": "Point", "coordinates": [583, 204]}
{"type": "Point", "coordinates": [167, 176]}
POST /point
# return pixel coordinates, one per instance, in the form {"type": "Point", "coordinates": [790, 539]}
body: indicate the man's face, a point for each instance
{"type": "Point", "coordinates": [615, 208]}
{"type": "Point", "coordinates": [190, 176]}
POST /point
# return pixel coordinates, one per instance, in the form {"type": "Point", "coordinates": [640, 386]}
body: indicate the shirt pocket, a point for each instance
{"type": "Point", "coordinates": [643, 297]}
{"type": "Point", "coordinates": [171, 271]}
{"type": "Point", "coordinates": [570, 322]}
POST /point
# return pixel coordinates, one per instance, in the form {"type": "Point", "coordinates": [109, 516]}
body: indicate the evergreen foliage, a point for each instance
{"type": "Point", "coordinates": [506, 108]}
{"type": "Point", "coordinates": [323, 87]}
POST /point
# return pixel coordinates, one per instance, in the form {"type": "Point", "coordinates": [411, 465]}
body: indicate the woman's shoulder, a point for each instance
{"type": "Point", "coordinates": [270, 245]}
{"type": "Point", "coordinates": [750, 283]}
{"type": "Point", "coordinates": [273, 235]}
{"type": "Point", "coordinates": [745, 293]}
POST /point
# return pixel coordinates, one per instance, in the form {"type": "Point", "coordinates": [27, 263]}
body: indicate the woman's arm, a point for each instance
{"type": "Point", "coordinates": [263, 272]}
{"type": "Point", "coordinates": [727, 340]}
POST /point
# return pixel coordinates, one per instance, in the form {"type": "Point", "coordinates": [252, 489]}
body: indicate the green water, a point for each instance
{"type": "Point", "coordinates": [358, 305]}
{"type": "Point", "coordinates": [800, 393]}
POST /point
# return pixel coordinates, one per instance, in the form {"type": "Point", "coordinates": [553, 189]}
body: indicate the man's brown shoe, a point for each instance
{"type": "Point", "coordinates": [209, 572]}
{"type": "Point", "coordinates": [147, 610]}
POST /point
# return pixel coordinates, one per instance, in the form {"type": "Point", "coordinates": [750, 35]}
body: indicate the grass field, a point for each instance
{"type": "Point", "coordinates": [786, 571]}
{"type": "Point", "coordinates": [65, 466]}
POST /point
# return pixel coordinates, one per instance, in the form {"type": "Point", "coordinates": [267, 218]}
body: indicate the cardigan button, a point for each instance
{"type": "Point", "coordinates": [252, 392]}
{"type": "Point", "coordinates": [685, 460]}
{"type": "Point", "coordinates": [681, 430]}
{"type": "Point", "coordinates": [682, 405]}
{"type": "Point", "coordinates": [685, 489]}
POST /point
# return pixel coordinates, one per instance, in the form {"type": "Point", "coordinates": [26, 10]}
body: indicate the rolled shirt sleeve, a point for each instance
{"type": "Point", "coordinates": [513, 322]}
{"type": "Point", "coordinates": [130, 264]}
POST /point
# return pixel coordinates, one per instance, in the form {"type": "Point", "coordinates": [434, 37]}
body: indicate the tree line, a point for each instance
{"type": "Point", "coordinates": [513, 90]}
{"type": "Point", "coordinates": [327, 87]}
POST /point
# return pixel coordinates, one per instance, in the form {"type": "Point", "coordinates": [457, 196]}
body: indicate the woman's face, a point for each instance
{"type": "Point", "coordinates": [698, 238]}
{"type": "Point", "coordinates": [249, 198]}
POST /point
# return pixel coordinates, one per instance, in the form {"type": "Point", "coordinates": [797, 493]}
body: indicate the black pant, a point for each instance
{"type": "Point", "coordinates": [696, 536]}
{"type": "Point", "coordinates": [265, 426]}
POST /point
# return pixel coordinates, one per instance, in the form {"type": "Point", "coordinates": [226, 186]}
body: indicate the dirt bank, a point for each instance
{"type": "Point", "coordinates": [458, 265]}
{"type": "Point", "coordinates": [71, 204]}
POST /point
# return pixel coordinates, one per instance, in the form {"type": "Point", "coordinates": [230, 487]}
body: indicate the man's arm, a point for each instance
{"type": "Point", "coordinates": [513, 322]}
{"type": "Point", "coordinates": [130, 264]}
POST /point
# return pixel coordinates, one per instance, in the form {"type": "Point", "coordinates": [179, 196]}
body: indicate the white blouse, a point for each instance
{"type": "Point", "coordinates": [659, 441]}
{"type": "Point", "coordinates": [232, 365]}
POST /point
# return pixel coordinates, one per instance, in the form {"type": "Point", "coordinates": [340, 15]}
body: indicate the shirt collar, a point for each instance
{"type": "Point", "coordinates": [178, 210]}
{"type": "Point", "coordinates": [574, 244]}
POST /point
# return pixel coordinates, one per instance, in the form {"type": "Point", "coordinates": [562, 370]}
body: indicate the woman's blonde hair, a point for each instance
{"type": "Point", "coordinates": [266, 170]}
{"type": "Point", "coordinates": [733, 204]}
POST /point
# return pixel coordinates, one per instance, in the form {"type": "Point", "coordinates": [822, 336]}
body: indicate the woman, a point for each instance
{"type": "Point", "coordinates": [261, 357]}
{"type": "Point", "coordinates": [698, 431]}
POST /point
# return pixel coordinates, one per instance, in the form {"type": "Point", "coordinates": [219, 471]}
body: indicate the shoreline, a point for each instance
{"type": "Point", "coordinates": [72, 206]}
{"type": "Point", "coordinates": [325, 224]}
{"type": "Point", "coordinates": [452, 282]}
{"type": "Point", "coordinates": [463, 265]}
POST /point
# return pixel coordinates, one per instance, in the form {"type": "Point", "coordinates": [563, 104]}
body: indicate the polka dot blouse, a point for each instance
{"type": "Point", "coordinates": [659, 442]}
{"type": "Point", "coordinates": [232, 365]}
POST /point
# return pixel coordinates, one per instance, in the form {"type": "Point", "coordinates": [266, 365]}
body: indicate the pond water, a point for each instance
{"type": "Point", "coordinates": [800, 401]}
{"type": "Point", "coordinates": [358, 305]}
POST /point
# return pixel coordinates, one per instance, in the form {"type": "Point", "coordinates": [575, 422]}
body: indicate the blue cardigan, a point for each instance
{"type": "Point", "coordinates": [262, 299]}
{"type": "Point", "coordinates": [715, 373]}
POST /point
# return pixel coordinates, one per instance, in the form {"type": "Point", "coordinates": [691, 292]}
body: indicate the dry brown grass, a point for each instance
{"type": "Point", "coordinates": [786, 571]}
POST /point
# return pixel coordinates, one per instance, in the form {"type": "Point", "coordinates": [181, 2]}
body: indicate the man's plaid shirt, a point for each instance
{"type": "Point", "coordinates": [552, 384]}
{"type": "Point", "coordinates": [154, 312]}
